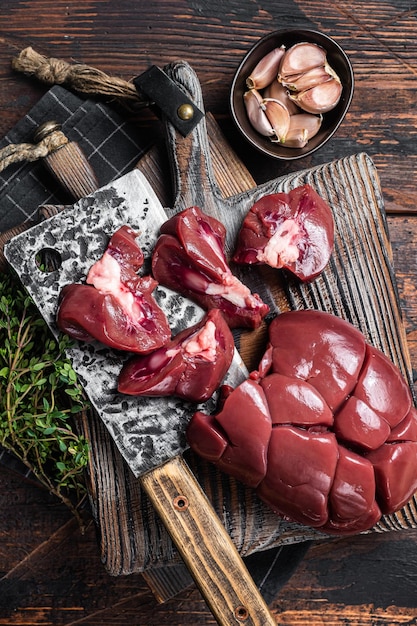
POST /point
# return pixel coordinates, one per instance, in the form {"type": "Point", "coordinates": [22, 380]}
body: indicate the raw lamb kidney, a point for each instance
{"type": "Point", "coordinates": [191, 366]}
{"type": "Point", "coordinates": [293, 231]}
{"type": "Point", "coordinates": [189, 258]}
{"type": "Point", "coordinates": [116, 306]}
{"type": "Point", "coordinates": [325, 430]}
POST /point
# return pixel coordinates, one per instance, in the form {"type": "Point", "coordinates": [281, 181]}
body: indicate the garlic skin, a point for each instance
{"type": "Point", "coordinates": [319, 99]}
{"type": "Point", "coordinates": [255, 111]}
{"type": "Point", "coordinates": [266, 70]}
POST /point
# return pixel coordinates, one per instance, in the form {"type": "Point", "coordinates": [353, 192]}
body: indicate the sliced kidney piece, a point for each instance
{"type": "Point", "coordinates": [116, 306]}
{"type": "Point", "coordinates": [292, 231]}
{"type": "Point", "coordinates": [191, 366]}
{"type": "Point", "coordinates": [189, 258]}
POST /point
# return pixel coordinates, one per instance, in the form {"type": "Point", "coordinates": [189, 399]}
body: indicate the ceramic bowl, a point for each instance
{"type": "Point", "coordinates": [337, 59]}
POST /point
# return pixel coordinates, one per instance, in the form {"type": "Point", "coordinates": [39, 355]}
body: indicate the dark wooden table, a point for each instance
{"type": "Point", "coordinates": [50, 572]}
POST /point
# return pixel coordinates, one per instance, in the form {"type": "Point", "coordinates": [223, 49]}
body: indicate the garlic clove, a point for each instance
{"type": "Point", "coordinates": [309, 79]}
{"type": "Point", "coordinates": [296, 140]}
{"type": "Point", "coordinates": [319, 99]}
{"type": "Point", "coordinates": [276, 91]}
{"type": "Point", "coordinates": [266, 70]}
{"type": "Point", "coordinates": [278, 117]}
{"type": "Point", "coordinates": [301, 58]}
{"type": "Point", "coordinates": [255, 111]}
{"type": "Point", "coordinates": [302, 128]}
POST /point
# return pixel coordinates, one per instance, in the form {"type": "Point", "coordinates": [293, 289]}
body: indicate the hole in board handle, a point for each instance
{"type": "Point", "coordinates": [181, 503]}
{"type": "Point", "coordinates": [241, 613]}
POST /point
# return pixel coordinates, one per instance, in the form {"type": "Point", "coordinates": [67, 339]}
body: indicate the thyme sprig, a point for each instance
{"type": "Point", "coordinates": [39, 398]}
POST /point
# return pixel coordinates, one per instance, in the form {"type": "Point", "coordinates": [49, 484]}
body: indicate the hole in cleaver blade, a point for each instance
{"type": "Point", "coordinates": [147, 431]}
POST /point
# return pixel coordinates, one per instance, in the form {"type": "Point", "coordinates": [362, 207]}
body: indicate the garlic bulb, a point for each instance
{"type": "Point", "coordinates": [314, 85]}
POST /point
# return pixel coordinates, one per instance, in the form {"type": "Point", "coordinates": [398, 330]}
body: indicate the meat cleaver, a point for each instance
{"type": "Point", "coordinates": [149, 432]}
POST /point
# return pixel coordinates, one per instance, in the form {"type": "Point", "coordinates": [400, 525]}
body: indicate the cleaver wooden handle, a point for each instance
{"type": "Point", "coordinates": [205, 546]}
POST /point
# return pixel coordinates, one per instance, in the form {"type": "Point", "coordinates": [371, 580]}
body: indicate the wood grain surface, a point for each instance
{"type": "Point", "coordinates": [50, 573]}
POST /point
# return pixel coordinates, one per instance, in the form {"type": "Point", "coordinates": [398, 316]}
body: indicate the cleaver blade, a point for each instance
{"type": "Point", "coordinates": [149, 432]}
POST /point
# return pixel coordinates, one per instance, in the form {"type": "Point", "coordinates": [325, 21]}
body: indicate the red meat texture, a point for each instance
{"type": "Point", "coordinates": [189, 257]}
{"type": "Point", "coordinates": [116, 306]}
{"type": "Point", "coordinates": [325, 430]}
{"type": "Point", "coordinates": [191, 366]}
{"type": "Point", "coordinates": [293, 231]}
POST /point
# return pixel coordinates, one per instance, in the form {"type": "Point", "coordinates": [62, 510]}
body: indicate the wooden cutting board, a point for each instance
{"type": "Point", "coordinates": [359, 285]}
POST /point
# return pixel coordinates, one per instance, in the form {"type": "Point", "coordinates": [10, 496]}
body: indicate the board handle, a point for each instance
{"type": "Point", "coordinates": [193, 177]}
{"type": "Point", "coordinates": [205, 546]}
{"type": "Point", "coordinates": [68, 164]}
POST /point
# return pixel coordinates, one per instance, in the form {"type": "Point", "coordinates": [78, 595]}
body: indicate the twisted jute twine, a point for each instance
{"type": "Point", "coordinates": [79, 77]}
{"type": "Point", "coordinates": [16, 152]}
{"type": "Point", "coordinates": [82, 78]}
